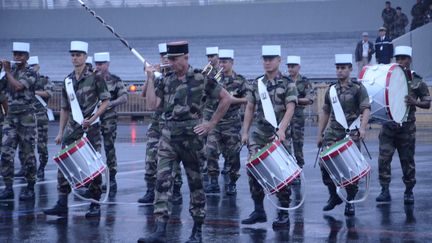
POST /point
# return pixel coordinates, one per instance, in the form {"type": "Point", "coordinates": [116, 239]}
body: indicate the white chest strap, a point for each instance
{"type": "Point", "coordinates": [50, 113]}
{"type": "Point", "coordinates": [339, 113]}
{"type": "Point", "coordinates": [73, 101]}
{"type": "Point", "coordinates": [267, 106]}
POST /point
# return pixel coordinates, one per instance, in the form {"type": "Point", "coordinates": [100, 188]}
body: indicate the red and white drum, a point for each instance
{"type": "Point", "coordinates": [80, 163]}
{"type": "Point", "coordinates": [387, 86]}
{"type": "Point", "coordinates": [344, 162]}
{"type": "Point", "coordinates": [273, 167]}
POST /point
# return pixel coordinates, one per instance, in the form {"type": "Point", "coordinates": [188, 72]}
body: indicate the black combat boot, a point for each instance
{"type": "Point", "coordinates": [408, 196]}
{"type": "Point", "coordinates": [7, 193]}
{"type": "Point", "coordinates": [196, 236]}
{"type": "Point", "coordinates": [282, 221]}
{"type": "Point", "coordinates": [176, 198]}
{"type": "Point", "coordinates": [231, 188]}
{"type": "Point", "coordinates": [41, 173]}
{"type": "Point", "coordinates": [213, 187]}
{"type": "Point", "coordinates": [334, 199]}
{"type": "Point", "coordinates": [158, 236]}
{"type": "Point", "coordinates": [384, 196]}
{"type": "Point", "coordinates": [60, 209]}
{"type": "Point", "coordinates": [93, 211]}
{"type": "Point", "coordinates": [349, 209]}
{"type": "Point", "coordinates": [150, 194]}
{"type": "Point", "coordinates": [27, 193]}
{"type": "Point", "coordinates": [257, 216]}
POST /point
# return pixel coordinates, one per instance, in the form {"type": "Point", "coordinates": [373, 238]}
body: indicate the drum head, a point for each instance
{"type": "Point", "coordinates": [264, 152]}
{"type": "Point", "coordinates": [327, 153]}
{"type": "Point", "coordinates": [397, 85]}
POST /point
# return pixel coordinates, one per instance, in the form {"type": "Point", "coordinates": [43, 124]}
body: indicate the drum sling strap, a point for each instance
{"type": "Point", "coordinates": [338, 111]}
{"type": "Point", "coordinates": [267, 106]}
{"type": "Point", "coordinates": [77, 114]}
{"type": "Point", "coordinates": [50, 113]}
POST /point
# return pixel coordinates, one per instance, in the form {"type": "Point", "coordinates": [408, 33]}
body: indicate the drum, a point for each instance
{"type": "Point", "coordinates": [344, 162]}
{"type": "Point", "coordinates": [80, 163]}
{"type": "Point", "coordinates": [273, 167]}
{"type": "Point", "coordinates": [387, 86]}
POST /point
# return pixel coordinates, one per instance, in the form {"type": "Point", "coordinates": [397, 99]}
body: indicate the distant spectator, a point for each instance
{"type": "Point", "coordinates": [388, 16]}
{"type": "Point", "coordinates": [429, 14]}
{"type": "Point", "coordinates": [401, 21]}
{"type": "Point", "coordinates": [418, 12]}
{"type": "Point", "coordinates": [364, 51]}
{"type": "Point", "coordinates": [383, 47]}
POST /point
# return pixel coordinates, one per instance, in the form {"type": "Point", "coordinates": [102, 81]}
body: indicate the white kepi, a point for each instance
{"type": "Point", "coordinates": [212, 50]}
{"type": "Point", "coordinates": [162, 48]}
{"type": "Point", "coordinates": [79, 46]}
{"type": "Point", "coordinates": [403, 51]}
{"type": "Point", "coordinates": [102, 57]}
{"type": "Point", "coordinates": [33, 60]}
{"type": "Point", "coordinates": [226, 53]}
{"type": "Point", "coordinates": [21, 46]}
{"type": "Point", "coordinates": [293, 60]}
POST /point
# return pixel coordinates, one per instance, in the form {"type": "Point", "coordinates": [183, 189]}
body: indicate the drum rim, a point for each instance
{"type": "Point", "coordinates": [357, 178]}
{"type": "Point", "coordinates": [263, 153]}
{"type": "Point", "coordinates": [70, 149]}
{"type": "Point", "coordinates": [286, 182]}
{"type": "Point", "coordinates": [328, 154]}
{"type": "Point", "coordinates": [90, 178]}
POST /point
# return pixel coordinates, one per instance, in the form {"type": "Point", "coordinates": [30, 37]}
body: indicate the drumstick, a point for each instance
{"type": "Point", "coordinates": [364, 144]}
{"type": "Point", "coordinates": [316, 158]}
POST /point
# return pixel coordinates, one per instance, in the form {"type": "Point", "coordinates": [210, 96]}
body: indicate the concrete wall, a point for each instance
{"type": "Point", "coordinates": [216, 20]}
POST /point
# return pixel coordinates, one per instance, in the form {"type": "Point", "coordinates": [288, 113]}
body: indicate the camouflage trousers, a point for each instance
{"type": "Point", "coordinates": [18, 129]}
{"type": "Point", "coordinates": [224, 139]}
{"type": "Point", "coordinates": [332, 136]}
{"type": "Point", "coordinates": [392, 137]}
{"type": "Point", "coordinates": [297, 133]}
{"type": "Point", "coordinates": [173, 149]}
{"type": "Point", "coordinates": [71, 135]}
{"type": "Point", "coordinates": [153, 136]}
{"type": "Point", "coordinates": [42, 140]}
{"type": "Point", "coordinates": [255, 188]}
{"type": "Point", "coordinates": [109, 135]}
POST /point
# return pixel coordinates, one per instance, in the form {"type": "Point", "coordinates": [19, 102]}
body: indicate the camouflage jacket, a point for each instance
{"type": "Point", "coordinates": [89, 90]}
{"type": "Point", "coordinates": [236, 86]}
{"type": "Point", "coordinates": [43, 83]}
{"type": "Point", "coordinates": [305, 90]}
{"type": "Point", "coordinates": [388, 15]}
{"type": "Point", "coordinates": [354, 99]}
{"type": "Point", "coordinates": [183, 100]}
{"type": "Point", "coordinates": [116, 88]}
{"type": "Point", "coordinates": [281, 90]}
{"type": "Point", "coordinates": [20, 101]}
{"type": "Point", "coordinates": [418, 90]}
{"type": "Point", "coordinates": [2, 99]}
{"type": "Point", "coordinates": [401, 21]}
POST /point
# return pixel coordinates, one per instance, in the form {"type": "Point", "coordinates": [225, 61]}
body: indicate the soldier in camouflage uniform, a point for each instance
{"type": "Point", "coordinates": [401, 21]}
{"type": "Point", "coordinates": [283, 95]}
{"type": "Point", "coordinates": [43, 88]}
{"type": "Point", "coordinates": [182, 95]}
{"type": "Point", "coordinates": [3, 111]}
{"type": "Point", "coordinates": [402, 136]}
{"type": "Point", "coordinates": [19, 82]}
{"type": "Point", "coordinates": [388, 16]}
{"type": "Point", "coordinates": [90, 91]}
{"type": "Point", "coordinates": [108, 119]}
{"type": "Point", "coordinates": [305, 98]}
{"type": "Point", "coordinates": [354, 101]}
{"type": "Point", "coordinates": [153, 136]}
{"type": "Point", "coordinates": [225, 138]}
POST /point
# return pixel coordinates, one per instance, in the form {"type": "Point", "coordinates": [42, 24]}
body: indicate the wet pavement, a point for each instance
{"type": "Point", "coordinates": [126, 221]}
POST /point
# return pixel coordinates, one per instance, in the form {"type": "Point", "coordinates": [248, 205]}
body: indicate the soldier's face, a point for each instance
{"type": "Point", "coordinates": [343, 71]}
{"type": "Point", "coordinates": [271, 63]}
{"type": "Point", "coordinates": [102, 66]}
{"type": "Point", "coordinates": [226, 64]}
{"type": "Point", "coordinates": [21, 57]}
{"type": "Point", "coordinates": [213, 59]}
{"type": "Point", "coordinates": [179, 64]}
{"type": "Point", "coordinates": [293, 69]}
{"type": "Point", "coordinates": [164, 59]}
{"type": "Point", "coordinates": [404, 61]}
{"type": "Point", "coordinates": [78, 58]}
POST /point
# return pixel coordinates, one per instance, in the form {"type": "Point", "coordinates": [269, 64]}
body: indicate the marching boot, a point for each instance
{"type": "Point", "coordinates": [408, 196]}
{"type": "Point", "coordinates": [213, 187]}
{"type": "Point", "coordinates": [349, 207]}
{"type": "Point", "coordinates": [257, 216]}
{"type": "Point", "coordinates": [41, 172]}
{"type": "Point", "coordinates": [231, 188]}
{"type": "Point", "coordinates": [176, 198]}
{"type": "Point", "coordinates": [282, 221]}
{"type": "Point", "coordinates": [384, 196]}
{"type": "Point", "coordinates": [27, 193]}
{"type": "Point", "coordinates": [60, 209]}
{"type": "Point", "coordinates": [334, 199]}
{"type": "Point", "coordinates": [93, 211]}
{"type": "Point", "coordinates": [196, 236]}
{"type": "Point", "coordinates": [113, 185]}
{"type": "Point", "coordinates": [150, 194]}
{"type": "Point", "coordinates": [158, 236]}
{"type": "Point", "coordinates": [7, 193]}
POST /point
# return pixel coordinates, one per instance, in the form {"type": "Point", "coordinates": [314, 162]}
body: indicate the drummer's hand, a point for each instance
{"type": "Point", "coordinates": [280, 135]}
{"type": "Point", "coordinates": [149, 70]}
{"type": "Point", "coordinates": [319, 141]}
{"type": "Point", "coordinates": [245, 138]}
{"type": "Point", "coordinates": [58, 139]}
{"type": "Point", "coordinates": [409, 100]}
{"type": "Point", "coordinates": [362, 133]}
{"type": "Point", "coordinates": [87, 122]}
{"type": "Point", "coordinates": [203, 128]}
